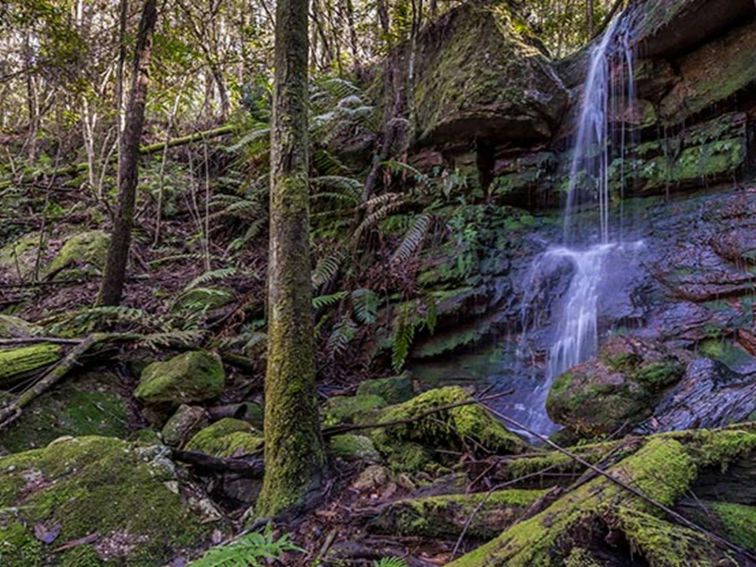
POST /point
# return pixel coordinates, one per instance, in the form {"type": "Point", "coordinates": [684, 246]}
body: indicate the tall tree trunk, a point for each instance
{"type": "Point", "coordinates": [120, 239]}
{"type": "Point", "coordinates": [123, 19]}
{"type": "Point", "coordinates": [294, 454]}
{"type": "Point", "coordinates": [589, 11]}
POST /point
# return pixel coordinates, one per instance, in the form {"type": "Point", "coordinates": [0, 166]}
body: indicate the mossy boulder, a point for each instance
{"type": "Point", "coordinates": [183, 424]}
{"type": "Point", "coordinates": [665, 468]}
{"type": "Point", "coordinates": [204, 299]}
{"type": "Point", "coordinates": [394, 389]}
{"type": "Point", "coordinates": [227, 437]}
{"type": "Point", "coordinates": [481, 74]}
{"type": "Point", "coordinates": [125, 498]}
{"type": "Point", "coordinates": [86, 404]}
{"type": "Point", "coordinates": [619, 387]}
{"type": "Point", "coordinates": [351, 409]}
{"type": "Point", "coordinates": [17, 363]}
{"type": "Point", "coordinates": [85, 252]}
{"type": "Point", "coordinates": [446, 516]}
{"type": "Point", "coordinates": [18, 258]}
{"type": "Point", "coordinates": [194, 376]}
{"type": "Point", "coordinates": [353, 448]}
{"type": "Point", "coordinates": [464, 427]}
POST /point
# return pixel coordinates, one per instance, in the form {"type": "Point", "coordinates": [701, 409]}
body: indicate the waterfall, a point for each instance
{"type": "Point", "coordinates": [591, 251]}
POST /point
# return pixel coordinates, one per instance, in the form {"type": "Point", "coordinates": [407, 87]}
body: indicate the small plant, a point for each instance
{"type": "Point", "coordinates": [252, 550]}
{"type": "Point", "coordinates": [390, 562]}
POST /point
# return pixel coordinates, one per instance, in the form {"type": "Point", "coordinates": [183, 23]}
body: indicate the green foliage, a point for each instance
{"type": "Point", "coordinates": [252, 550]}
{"type": "Point", "coordinates": [413, 239]}
{"type": "Point", "coordinates": [390, 562]}
{"type": "Point", "coordinates": [366, 304]}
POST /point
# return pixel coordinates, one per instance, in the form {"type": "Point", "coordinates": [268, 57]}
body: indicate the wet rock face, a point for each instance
{"type": "Point", "coordinates": [481, 75]}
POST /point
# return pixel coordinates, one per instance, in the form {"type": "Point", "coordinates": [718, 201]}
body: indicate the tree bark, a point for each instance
{"type": "Point", "coordinates": [294, 453]}
{"type": "Point", "coordinates": [120, 239]}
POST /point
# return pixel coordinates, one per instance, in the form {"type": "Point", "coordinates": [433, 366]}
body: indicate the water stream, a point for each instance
{"type": "Point", "coordinates": [591, 250]}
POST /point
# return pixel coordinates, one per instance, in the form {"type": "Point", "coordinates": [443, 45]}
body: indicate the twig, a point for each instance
{"type": "Point", "coordinates": [339, 429]}
{"type": "Point", "coordinates": [251, 466]}
{"type": "Point", "coordinates": [666, 509]}
{"type": "Point", "coordinates": [32, 340]}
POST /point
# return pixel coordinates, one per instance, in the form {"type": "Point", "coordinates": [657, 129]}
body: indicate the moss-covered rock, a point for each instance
{"type": "Point", "coordinates": [350, 409]}
{"type": "Point", "coordinates": [125, 494]}
{"type": "Point", "coordinates": [189, 377]}
{"type": "Point", "coordinates": [204, 299]}
{"type": "Point", "coordinates": [447, 516]}
{"type": "Point", "coordinates": [619, 386]}
{"type": "Point", "coordinates": [227, 437]}
{"type": "Point", "coordinates": [16, 363]}
{"type": "Point", "coordinates": [394, 389]}
{"type": "Point", "coordinates": [468, 426]}
{"type": "Point", "coordinates": [86, 251]}
{"type": "Point", "coordinates": [664, 469]}
{"type": "Point", "coordinates": [481, 74]}
{"type": "Point", "coordinates": [183, 424]}
{"type": "Point", "coordinates": [19, 257]}
{"type": "Point", "coordinates": [354, 447]}
{"type": "Point", "coordinates": [87, 404]}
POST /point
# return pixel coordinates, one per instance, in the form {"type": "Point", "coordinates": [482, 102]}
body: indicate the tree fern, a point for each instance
{"type": "Point", "coordinates": [252, 550]}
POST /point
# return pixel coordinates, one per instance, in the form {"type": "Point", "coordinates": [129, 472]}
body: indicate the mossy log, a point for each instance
{"type": "Point", "coordinates": [18, 363]}
{"type": "Point", "coordinates": [601, 512]}
{"type": "Point", "coordinates": [481, 516]}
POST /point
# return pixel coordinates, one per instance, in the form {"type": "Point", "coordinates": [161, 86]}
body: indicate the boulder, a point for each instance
{"type": "Point", "coordinates": [194, 376]}
{"type": "Point", "coordinates": [187, 421]}
{"type": "Point", "coordinates": [394, 389]}
{"type": "Point", "coordinates": [15, 328]}
{"type": "Point", "coordinates": [84, 404]}
{"type": "Point", "coordinates": [464, 427]}
{"type": "Point", "coordinates": [354, 448]}
{"type": "Point", "coordinates": [351, 409]}
{"type": "Point", "coordinates": [481, 74]}
{"type": "Point", "coordinates": [86, 252]}
{"type": "Point", "coordinates": [620, 386]}
{"type": "Point", "coordinates": [112, 500]}
{"type": "Point", "coordinates": [712, 74]}
{"type": "Point", "coordinates": [227, 437]}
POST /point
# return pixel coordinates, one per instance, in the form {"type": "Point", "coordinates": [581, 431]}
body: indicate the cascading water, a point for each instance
{"type": "Point", "coordinates": [590, 249]}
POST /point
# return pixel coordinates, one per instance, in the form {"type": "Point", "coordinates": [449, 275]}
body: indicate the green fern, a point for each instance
{"type": "Point", "coordinates": [323, 301]}
{"type": "Point", "coordinates": [413, 239]}
{"type": "Point", "coordinates": [341, 335]}
{"type": "Point", "coordinates": [326, 269]}
{"type": "Point", "coordinates": [213, 275]}
{"type": "Point", "coordinates": [184, 339]}
{"type": "Point", "coordinates": [366, 303]}
{"type": "Point", "coordinates": [252, 550]}
{"type": "Point", "coordinates": [390, 562]}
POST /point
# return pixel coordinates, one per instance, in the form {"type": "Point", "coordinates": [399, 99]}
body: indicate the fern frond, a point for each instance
{"type": "Point", "coordinates": [341, 335]}
{"type": "Point", "coordinates": [252, 550]}
{"type": "Point", "coordinates": [326, 269]}
{"type": "Point", "coordinates": [338, 182]}
{"type": "Point", "coordinates": [213, 275]}
{"type": "Point", "coordinates": [377, 216]}
{"type": "Point", "coordinates": [412, 240]}
{"type": "Point", "coordinates": [183, 339]}
{"type": "Point", "coordinates": [323, 301]}
{"type": "Point", "coordinates": [366, 304]}
{"type": "Point", "coordinates": [401, 341]}
{"type": "Point", "coordinates": [327, 164]}
{"type": "Point", "coordinates": [390, 562]}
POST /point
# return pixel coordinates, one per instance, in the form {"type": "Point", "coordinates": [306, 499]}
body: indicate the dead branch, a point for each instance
{"type": "Point", "coordinates": [249, 465]}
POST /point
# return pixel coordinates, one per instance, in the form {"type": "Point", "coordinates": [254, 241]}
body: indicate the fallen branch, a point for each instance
{"type": "Point", "coordinates": [31, 175]}
{"type": "Point", "coordinates": [250, 466]}
{"type": "Point", "coordinates": [622, 484]}
{"type": "Point", "coordinates": [339, 429]}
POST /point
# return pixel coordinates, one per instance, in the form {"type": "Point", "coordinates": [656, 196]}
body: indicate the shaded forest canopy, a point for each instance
{"type": "Point", "coordinates": [293, 283]}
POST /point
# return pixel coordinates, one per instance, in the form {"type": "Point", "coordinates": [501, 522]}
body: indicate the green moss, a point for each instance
{"type": "Point", "coordinates": [658, 375]}
{"type": "Point", "coordinates": [663, 469]}
{"type": "Point", "coordinates": [189, 377]}
{"type": "Point", "coordinates": [19, 547]}
{"type": "Point", "coordinates": [204, 299]}
{"type": "Point", "coordinates": [20, 361]}
{"type": "Point", "coordinates": [11, 327]}
{"type": "Point", "coordinates": [81, 406]}
{"type": "Point", "coordinates": [580, 557]}
{"type": "Point", "coordinates": [104, 486]}
{"type": "Point", "coordinates": [468, 425]}
{"type": "Point", "coordinates": [19, 257]}
{"type": "Point", "coordinates": [393, 390]}
{"type": "Point", "coordinates": [227, 437]}
{"type": "Point", "coordinates": [353, 447]}
{"type": "Point", "coordinates": [87, 249]}
{"type": "Point", "coordinates": [739, 522]}
{"type": "Point", "coordinates": [347, 409]}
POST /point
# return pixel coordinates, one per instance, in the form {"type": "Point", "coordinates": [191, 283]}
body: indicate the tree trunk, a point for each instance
{"type": "Point", "coordinates": [120, 239]}
{"type": "Point", "coordinates": [294, 454]}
